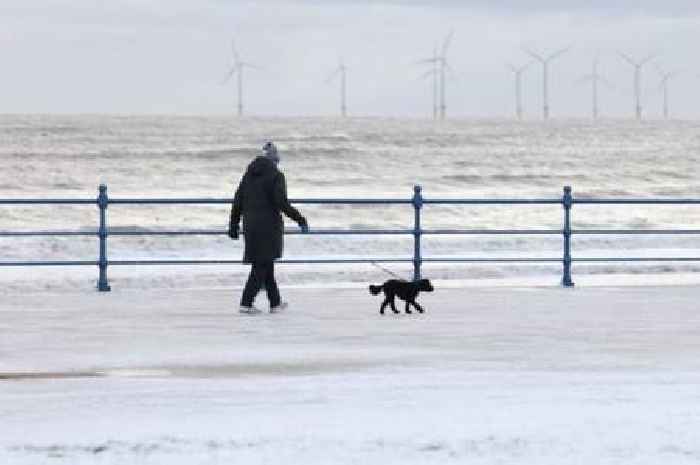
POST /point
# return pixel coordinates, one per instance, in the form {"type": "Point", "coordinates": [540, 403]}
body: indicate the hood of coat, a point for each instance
{"type": "Point", "coordinates": [261, 166]}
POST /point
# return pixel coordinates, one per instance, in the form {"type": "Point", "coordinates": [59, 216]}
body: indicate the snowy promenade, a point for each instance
{"type": "Point", "coordinates": [599, 375]}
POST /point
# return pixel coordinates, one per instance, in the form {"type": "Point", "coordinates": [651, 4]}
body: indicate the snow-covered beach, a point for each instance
{"type": "Point", "coordinates": [488, 375]}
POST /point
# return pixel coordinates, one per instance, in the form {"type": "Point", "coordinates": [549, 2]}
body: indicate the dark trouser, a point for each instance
{"type": "Point", "coordinates": [262, 274]}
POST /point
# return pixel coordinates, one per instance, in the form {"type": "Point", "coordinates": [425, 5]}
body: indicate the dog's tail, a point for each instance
{"type": "Point", "coordinates": [374, 290]}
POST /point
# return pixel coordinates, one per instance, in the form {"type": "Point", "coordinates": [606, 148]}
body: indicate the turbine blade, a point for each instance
{"type": "Point", "coordinates": [526, 66]}
{"type": "Point", "coordinates": [533, 55]}
{"type": "Point", "coordinates": [427, 74]}
{"type": "Point", "coordinates": [660, 70]}
{"type": "Point", "coordinates": [519, 70]}
{"type": "Point", "coordinates": [647, 59]}
{"type": "Point", "coordinates": [425, 61]}
{"type": "Point", "coordinates": [558, 53]}
{"type": "Point", "coordinates": [627, 59]}
{"type": "Point", "coordinates": [251, 66]}
{"type": "Point", "coordinates": [236, 57]}
{"type": "Point", "coordinates": [446, 43]}
{"type": "Point", "coordinates": [229, 75]}
{"type": "Point", "coordinates": [333, 75]}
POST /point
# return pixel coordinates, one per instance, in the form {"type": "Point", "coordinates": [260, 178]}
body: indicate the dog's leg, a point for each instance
{"type": "Point", "coordinates": [393, 305]}
{"type": "Point", "coordinates": [418, 307]}
{"type": "Point", "coordinates": [408, 310]}
{"type": "Point", "coordinates": [384, 304]}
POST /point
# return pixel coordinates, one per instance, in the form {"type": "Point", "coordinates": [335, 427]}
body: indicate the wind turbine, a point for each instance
{"type": "Point", "coordinates": [518, 71]}
{"type": "Point", "coordinates": [443, 69]}
{"type": "Point", "coordinates": [665, 78]}
{"type": "Point", "coordinates": [435, 74]}
{"type": "Point", "coordinates": [237, 69]}
{"type": "Point", "coordinates": [637, 80]}
{"type": "Point", "coordinates": [342, 71]}
{"type": "Point", "coordinates": [595, 77]}
{"type": "Point", "coordinates": [440, 67]}
{"type": "Point", "coordinates": [545, 74]}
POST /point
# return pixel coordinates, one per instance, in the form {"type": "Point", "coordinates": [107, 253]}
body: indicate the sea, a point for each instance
{"type": "Point", "coordinates": [52, 156]}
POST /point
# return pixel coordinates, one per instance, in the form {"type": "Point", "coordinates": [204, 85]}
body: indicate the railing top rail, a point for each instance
{"type": "Point", "coordinates": [358, 201]}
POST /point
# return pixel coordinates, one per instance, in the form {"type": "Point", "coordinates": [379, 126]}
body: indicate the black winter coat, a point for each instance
{"type": "Point", "coordinates": [261, 197]}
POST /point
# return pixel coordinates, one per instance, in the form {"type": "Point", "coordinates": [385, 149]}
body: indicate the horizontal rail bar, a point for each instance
{"type": "Point", "coordinates": [350, 260]}
{"type": "Point", "coordinates": [373, 201]}
{"type": "Point", "coordinates": [215, 232]}
{"type": "Point", "coordinates": [467, 232]}
{"type": "Point", "coordinates": [339, 261]}
{"type": "Point", "coordinates": [215, 201]}
{"type": "Point", "coordinates": [359, 232]}
{"type": "Point", "coordinates": [183, 201]}
{"type": "Point", "coordinates": [350, 201]}
{"type": "Point", "coordinates": [490, 260]}
{"type": "Point", "coordinates": [637, 201]}
{"type": "Point", "coordinates": [638, 259]}
{"type": "Point", "coordinates": [46, 233]}
{"type": "Point", "coordinates": [48, 201]}
{"type": "Point", "coordinates": [353, 201]}
{"type": "Point", "coordinates": [51, 263]}
{"type": "Point", "coordinates": [352, 232]}
{"type": "Point", "coordinates": [492, 201]}
{"type": "Point", "coordinates": [284, 260]}
{"type": "Point", "coordinates": [635, 231]}
{"type": "Point", "coordinates": [191, 232]}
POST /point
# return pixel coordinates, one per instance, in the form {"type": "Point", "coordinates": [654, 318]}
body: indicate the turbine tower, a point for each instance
{"type": "Point", "coordinates": [518, 71]}
{"type": "Point", "coordinates": [665, 78]}
{"type": "Point", "coordinates": [342, 71]}
{"type": "Point", "coordinates": [237, 69]}
{"type": "Point", "coordinates": [545, 75]}
{"type": "Point", "coordinates": [595, 78]}
{"type": "Point", "coordinates": [637, 81]}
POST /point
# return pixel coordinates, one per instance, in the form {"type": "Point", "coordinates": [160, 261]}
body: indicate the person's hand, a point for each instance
{"type": "Point", "coordinates": [304, 225]}
{"type": "Point", "coordinates": [233, 231]}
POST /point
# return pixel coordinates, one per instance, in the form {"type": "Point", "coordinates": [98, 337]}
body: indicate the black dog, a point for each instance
{"type": "Point", "coordinates": [405, 290]}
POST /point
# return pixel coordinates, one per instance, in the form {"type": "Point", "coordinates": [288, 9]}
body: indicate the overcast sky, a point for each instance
{"type": "Point", "coordinates": [170, 56]}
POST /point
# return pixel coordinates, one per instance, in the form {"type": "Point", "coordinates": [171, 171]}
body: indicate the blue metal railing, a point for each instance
{"type": "Point", "coordinates": [567, 201]}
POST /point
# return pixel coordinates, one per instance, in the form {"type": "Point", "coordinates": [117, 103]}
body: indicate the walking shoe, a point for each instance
{"type": "Point", "coordinates": [249, 310]}
{"type": "Point", "coordinates": [279, 307]}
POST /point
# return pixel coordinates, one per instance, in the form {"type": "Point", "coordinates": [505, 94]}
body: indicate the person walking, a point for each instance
{"type": "Point", "coordinates": [261, 198]}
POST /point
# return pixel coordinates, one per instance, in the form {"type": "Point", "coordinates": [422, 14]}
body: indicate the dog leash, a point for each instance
{"type": "Point", "coordinates": [386, 270]}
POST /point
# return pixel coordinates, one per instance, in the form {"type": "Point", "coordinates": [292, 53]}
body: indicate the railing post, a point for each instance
{"type": "Point", "coordinates": [417, 205]}
{"type": "Point", "coordinates": [102, 202]}
{"type": "Point", "coordinates": [567, 202]}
